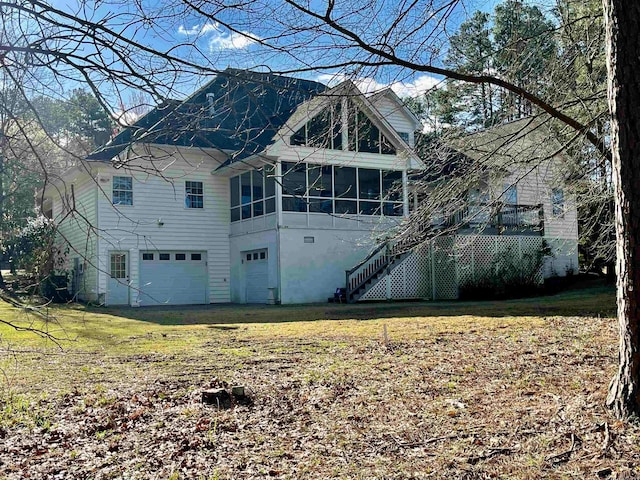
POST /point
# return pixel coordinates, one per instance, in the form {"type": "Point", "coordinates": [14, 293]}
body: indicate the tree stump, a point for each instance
{"type": "Point", "coordinates": [218, 397]}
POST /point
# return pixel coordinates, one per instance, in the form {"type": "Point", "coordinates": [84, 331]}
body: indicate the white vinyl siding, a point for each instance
{"type": "Point", "coordinates": [77, 229]}
{"type": "Point", "coordinates": [396, 117]}
{"type": "Point", "coordinates": [535, 187]}
{"type": "Point", "coordinates": [160, 222]}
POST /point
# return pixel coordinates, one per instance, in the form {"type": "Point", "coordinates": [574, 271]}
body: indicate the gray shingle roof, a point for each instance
{"type": "Point", "coordinates": [238, 112]}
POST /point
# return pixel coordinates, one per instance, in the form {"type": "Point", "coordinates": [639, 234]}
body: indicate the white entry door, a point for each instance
{"type": "Point", "coordinates": [118, 282]}
{"type": "Point", "coordinates": [256, 275]}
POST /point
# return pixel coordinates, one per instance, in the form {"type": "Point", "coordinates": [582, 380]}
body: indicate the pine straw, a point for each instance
{"type": "Point", "coordinates": [500, 399]}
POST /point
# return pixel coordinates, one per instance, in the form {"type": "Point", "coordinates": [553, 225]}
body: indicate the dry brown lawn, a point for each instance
{"type": "Point", "coordinates": [511, 390]}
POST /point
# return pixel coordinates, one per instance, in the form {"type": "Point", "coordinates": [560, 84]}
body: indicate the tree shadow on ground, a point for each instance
{"type": "Point", "coordinates": [594, 301]}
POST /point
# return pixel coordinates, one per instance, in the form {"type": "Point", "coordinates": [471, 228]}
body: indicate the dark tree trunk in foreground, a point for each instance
{"type": "Point", "coordinates": [2, 147]}
{"type": "Point", "coordinates": [622, 21]}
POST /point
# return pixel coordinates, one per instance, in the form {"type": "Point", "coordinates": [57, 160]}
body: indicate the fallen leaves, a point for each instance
{"type": "Point", "coordinates": [509, 402]}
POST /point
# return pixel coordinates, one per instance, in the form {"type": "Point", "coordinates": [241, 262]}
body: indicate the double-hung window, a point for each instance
{"type": "Point", "coordinates": [194, 195]}
{"type": "Point", "coordinates": [557, 202]}
{"type": "Point", "coordinates": [122, 193]}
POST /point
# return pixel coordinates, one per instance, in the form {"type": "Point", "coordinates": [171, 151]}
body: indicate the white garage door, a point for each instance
{"type": "Point", "coordinates": [173, 278]}
{"type": "Point", "coordinates": [256, 275]}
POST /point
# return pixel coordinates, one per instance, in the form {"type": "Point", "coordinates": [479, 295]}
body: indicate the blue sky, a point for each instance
{"type": "Point", "coordinates": [203, 41]}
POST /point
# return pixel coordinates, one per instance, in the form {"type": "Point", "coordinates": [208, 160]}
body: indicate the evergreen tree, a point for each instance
{"type": "Point", "coordinates": [525, 51]}
{"type": "Point", "coordinates": [470, 51]}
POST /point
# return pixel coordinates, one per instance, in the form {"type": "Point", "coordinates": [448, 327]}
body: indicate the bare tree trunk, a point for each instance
{"type": "Point", "coordinates": [485, 105]}
{"type": "Point", "coordinates": [622, 21]}
{"type": "Point", "coordinates": [2, 233]}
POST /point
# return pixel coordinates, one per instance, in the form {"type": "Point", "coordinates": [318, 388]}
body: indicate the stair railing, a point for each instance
{"type": "Point", "coordinates": [359, 275]}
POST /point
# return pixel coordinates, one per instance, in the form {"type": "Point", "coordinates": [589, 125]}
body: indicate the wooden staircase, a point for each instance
{"type": "Point", "coordinates": [372, 269]}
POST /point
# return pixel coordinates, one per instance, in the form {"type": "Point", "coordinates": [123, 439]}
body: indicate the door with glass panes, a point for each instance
{"type": "Point", "coordinates": [118, 282]}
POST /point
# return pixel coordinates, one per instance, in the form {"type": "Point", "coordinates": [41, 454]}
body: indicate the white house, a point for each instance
{"type": "Point", "coordinates": [256, 188]}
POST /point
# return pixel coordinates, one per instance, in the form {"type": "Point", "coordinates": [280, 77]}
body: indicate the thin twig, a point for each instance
{"type": "Point", "coordinates": [491, 453]}
{"type": "Point", "coordinates": [563, 456]}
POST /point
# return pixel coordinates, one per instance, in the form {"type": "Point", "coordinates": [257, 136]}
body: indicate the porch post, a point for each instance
{"type": "Point", "coordinates": [278, 174]}
{"type": "Point", "coordinates": [405, 193]}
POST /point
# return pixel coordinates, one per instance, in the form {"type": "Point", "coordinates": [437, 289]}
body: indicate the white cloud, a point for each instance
{"type": "Point", "coordinates": [199, 29]}
{"type": "Point", "coordinates": [128, 117]}
{"type": "Point", "coordinates": [332, 79]}
{"type": "Point", "coordinates": [368, 85]}
{"type": "Point", "coordinates": [219, 39]}
{"type": "Point", "coordinates": [419, 86]}
{"type": "Point", "coordinates": [232, 41]}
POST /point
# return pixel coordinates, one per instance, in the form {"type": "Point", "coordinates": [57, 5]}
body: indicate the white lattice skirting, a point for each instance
{"type": "Point", "coordinates": [434, 270]}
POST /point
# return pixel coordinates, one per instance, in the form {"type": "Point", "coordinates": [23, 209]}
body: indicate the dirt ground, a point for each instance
{"type": "Point", "coordinates": [446, 397]}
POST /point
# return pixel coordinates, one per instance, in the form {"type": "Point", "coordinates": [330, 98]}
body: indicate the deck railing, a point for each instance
{"type": "Point", "coordinates": [502, 217]}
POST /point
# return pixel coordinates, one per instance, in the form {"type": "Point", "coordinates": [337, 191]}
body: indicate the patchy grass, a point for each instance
{"type": "Point", "coordinates": [511, 389]}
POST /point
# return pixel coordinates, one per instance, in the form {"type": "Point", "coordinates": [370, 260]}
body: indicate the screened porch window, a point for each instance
{"type": "Point", "coordinates": [341, 190]}
{"type": "Point", "coordinates": [253, 194]}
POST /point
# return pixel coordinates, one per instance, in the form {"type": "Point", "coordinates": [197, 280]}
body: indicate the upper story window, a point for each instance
{"type": "Point", "coordinates": [557, 202]}
{"type": "Point", "coordinates": [510, 195]}
{"type": "Point", "coordinates": [122, 193]}
{"type": "Point", "coordinates": [253, 194]}
{"type": "Point", "coordinates": [194, 195]}
{"type": "Point", "coordinates": [326, 130]}
{"type": "Point", "coordinates": [211, 103]}
{"type": "Point", "coordinates": [322, 131]}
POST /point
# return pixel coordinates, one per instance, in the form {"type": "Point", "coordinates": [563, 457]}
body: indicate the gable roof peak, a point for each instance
{"type": "Point", "coordinates": [237, 111]}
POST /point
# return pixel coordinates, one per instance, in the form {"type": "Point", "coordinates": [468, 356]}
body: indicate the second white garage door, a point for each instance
{"type": "Point", "coordinates": [256, 276]}
{"type": "Point", "coordinates": [173, 278]}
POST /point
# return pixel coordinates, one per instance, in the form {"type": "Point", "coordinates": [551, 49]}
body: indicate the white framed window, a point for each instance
{"type": "Point", "coordinates": [510, 196]}
{"type": "Point", "coordinates": [341, 190]}
{"type": "Point", "coordinates": [253, 194]}
{"type": "Point", "coordinates": [122, 192]}
{"type": "Point", "coordinates": [118, 265]}
{"type": "Point", "coordinates": [194, 195]}
{"type": "Point", "coordinates": [557, 202]}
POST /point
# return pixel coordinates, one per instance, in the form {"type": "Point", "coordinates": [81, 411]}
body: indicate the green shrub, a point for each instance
{"type": "Point", "coordinates": [508, 277]}
{"type": "Point", "coordinates": [55, 288]}
{"type": "Point", "coordinates": [32, 247]}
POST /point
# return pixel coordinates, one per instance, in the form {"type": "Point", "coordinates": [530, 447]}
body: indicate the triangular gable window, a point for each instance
{"type": "Point", "coordinates": [322, 131]}
{"type": "Point", "coordinates": [325, 131]}
{"type": "Point", "coordinates": [364, 136]}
